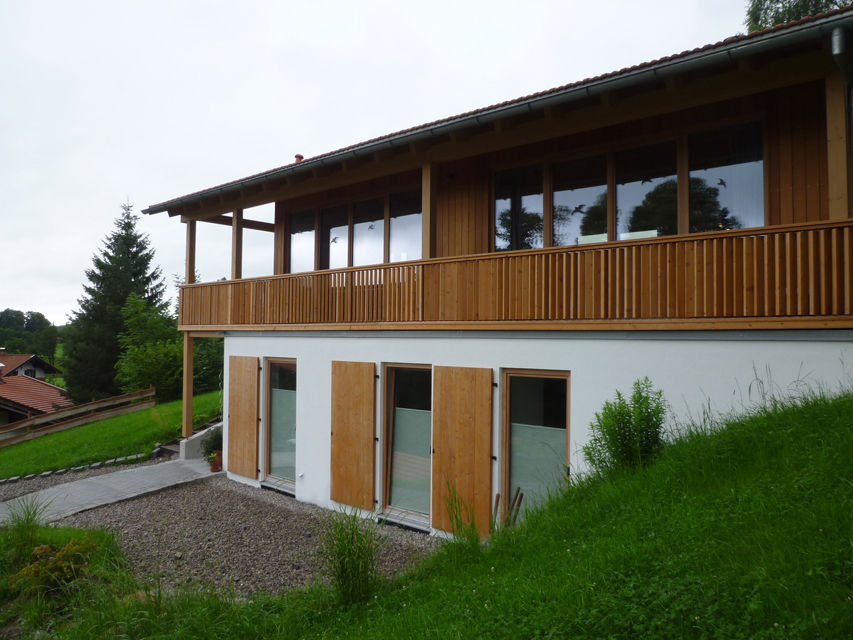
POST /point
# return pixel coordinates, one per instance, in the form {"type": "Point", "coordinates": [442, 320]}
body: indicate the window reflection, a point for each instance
{"type": "Point", "coordinates": [580, 201]}
{"type": "Point", "coordinates": [334, 238]}
{"type": "Point", "coordinates": [519, 210]}
{"type": "Point", "coordinates": [405, 219]}
{"type": "Point", "coordinates": [302, 242]}
{"type": "Point", "coordinates": [646, 192]}
{"type": "Point", "coordinates": [726, 178]}
{"type": "Point", "coordinates": [368, 233]}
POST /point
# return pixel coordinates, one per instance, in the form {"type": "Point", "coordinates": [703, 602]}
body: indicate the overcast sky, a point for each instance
{"type": "Point", "coordinates": [113, 101]}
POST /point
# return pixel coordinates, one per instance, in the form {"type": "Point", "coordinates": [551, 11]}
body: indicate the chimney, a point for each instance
{"type": "Point", "coordinates": [299, 157]}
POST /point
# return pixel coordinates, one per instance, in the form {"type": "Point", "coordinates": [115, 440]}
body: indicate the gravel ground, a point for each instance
{"type": "Point", "coordinates": [22, 487]}
{"type": "Point", "coordinates": [221, 533]}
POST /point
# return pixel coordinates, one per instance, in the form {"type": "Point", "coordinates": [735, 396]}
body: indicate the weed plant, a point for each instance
{"type": "Point", "coordinates": [463, 525]}
{"type": "Point", "coordinates": [349, 548]}
{"type": "Point", "coordinates": [627, 432]}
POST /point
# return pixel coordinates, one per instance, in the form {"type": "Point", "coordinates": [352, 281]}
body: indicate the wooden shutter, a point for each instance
{"type": "Point", "coordinates": [353, 433]}
{"type": "Point", "coordinates": [243, 416]}
{"type": "Point", "coordinates": [462, 442]}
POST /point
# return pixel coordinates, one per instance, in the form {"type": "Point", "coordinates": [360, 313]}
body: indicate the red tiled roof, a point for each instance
{"type": "Point", "coordinates": [13, 361]}
{"type": "Point", "coordinates": [470, 114]}
{"type": "Point", "coordinates": [35, 394]}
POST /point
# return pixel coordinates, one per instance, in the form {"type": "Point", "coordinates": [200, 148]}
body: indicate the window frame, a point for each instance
{"type": "Point", "coordinates": [285, 485]}
{"type": "Point", "coordinates": [388, 434]}
{"type": "Point", "coordinates": [505, 453]}
{"type": "Point", "coordinates": [678, 135]}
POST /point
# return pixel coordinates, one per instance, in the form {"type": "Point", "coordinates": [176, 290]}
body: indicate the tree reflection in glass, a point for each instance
{"type": "Point", "coordinates": [646, 192]}
{"type": "Point", "coordinates": [519, 210]}
{"type": "Point", "coordinates": [580, 201]}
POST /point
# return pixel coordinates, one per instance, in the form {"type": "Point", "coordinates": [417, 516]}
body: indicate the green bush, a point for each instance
{"type": "Point", "coordinates": [349, 549]}
{"type": "Point", "coordinates": [212, 441]}
{"type": "Point", "coordinates": [627, 433]}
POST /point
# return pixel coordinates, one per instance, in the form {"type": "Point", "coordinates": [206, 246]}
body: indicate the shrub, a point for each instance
{"type": "Point", "coordinates": [212, 441]}
{"type": "Point", "coordinates": [349, 549]}
{"type": "Point", "coordinates": [627, 433]}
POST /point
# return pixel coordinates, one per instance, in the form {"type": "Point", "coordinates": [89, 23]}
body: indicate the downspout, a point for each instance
{"type": "Point", "coordinates": [842, 60]}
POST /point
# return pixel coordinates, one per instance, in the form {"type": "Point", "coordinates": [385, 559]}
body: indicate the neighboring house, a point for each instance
{"type": "Point", "coordinates": [23, 391]}
{"type": "Point", "coordinates": [452, 303]}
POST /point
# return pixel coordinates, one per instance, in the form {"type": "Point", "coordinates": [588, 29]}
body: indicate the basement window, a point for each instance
{"type": "Point", "coordinates": [535, 433]}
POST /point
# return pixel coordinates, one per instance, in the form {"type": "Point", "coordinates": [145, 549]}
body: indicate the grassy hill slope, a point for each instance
{"type": "Point", "coordinates": [746, 532]}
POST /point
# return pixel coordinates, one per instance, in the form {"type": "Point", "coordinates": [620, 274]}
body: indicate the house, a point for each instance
{"type": "Point", "coordinates": [449, 305]}
{"type": "Point", "coordinates": [23, 390]}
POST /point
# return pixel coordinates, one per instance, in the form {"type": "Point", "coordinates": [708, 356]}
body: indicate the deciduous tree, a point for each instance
{"type": "Point", "coordinates": [761, 14]}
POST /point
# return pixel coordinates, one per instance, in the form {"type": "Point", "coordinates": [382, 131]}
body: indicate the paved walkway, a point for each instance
{"type": "Point", "coordinates": [72, 497]}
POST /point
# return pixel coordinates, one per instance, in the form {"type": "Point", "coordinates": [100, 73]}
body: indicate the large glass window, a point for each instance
{"type": "Point", "coordinates": [726, 178]}
{"type": "Point", "coordinates": [334, 238]}
{"type": "Point", "coordinates": [646, 192]}
{"type": "Point", "coordinates": [282, 420]}
{"type": "Point", "coordinates": [580, 201]}
{"type": "Point", "coordinates": [368, 232]}
{"type": "Point", "coordinates": [537, 434]}
{"type": "Point", "coordinates": [410, 438]}
{"type": "Point", "coordinates": [519, 209]}
{"type": "Point", "coordinates": [302, 242]}
{"type": "Point", "coordinates": [405, 219]}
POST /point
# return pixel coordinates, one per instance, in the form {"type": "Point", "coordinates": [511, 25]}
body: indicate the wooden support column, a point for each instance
{"type": "Point", "coordinates": [187, 417]}
{"type": "Point", "coordinates": [237, 245]}
{"type": "Point", "coordinates": [429, 178]}
{"type": "Point", "coordinates": [683, 189]}
{"type": "Point", "coordinates": [837, 146]}
{"type": "Point", "coordinates": [280, 259]}
{"type": "Point", "coordinates": [189, 276]}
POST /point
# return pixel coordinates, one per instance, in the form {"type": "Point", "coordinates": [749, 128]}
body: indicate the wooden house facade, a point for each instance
{"type": "Point", "coordinates": [448, 306]}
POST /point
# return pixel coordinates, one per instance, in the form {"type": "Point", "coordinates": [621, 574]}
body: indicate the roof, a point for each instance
{"type": "Point", "coordinates": [13, 361]}
{"type": "Point", "coordinates": [33, 394]}
{"type": "Point", "coordinates": [811, 27]}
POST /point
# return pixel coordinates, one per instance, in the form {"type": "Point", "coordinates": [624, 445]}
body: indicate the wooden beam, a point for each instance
{"type": "Point", "coordinates": [280, 248]}
{"type": "Point", "coordinates": [189, 275]}
{"type": "Point", "coordinates": [428, 202]}
{"type": "Point", "coordinates": [237, 245]}
{"type": "Point", "coordinates": [187, 415]}
{"type": "Point", "coordinates": [837, 146]}
{"type": "Point", "coordinates": [255, 225]}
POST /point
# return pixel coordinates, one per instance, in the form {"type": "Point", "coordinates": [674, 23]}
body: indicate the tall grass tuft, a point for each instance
{"type": "Point", "coordinates": [26, 517]}
{"type": "Point", "coordinates": [463, 526]}
{"type": "Point", "coordinates": [349, 548]}
{"type": "Point", "coordinates": [627, 433]}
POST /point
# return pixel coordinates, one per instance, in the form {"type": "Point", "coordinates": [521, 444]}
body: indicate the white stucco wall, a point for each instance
{"type": "Point", "coordinates": [722, 370]}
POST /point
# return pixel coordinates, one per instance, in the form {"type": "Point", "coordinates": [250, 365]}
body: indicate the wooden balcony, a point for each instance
{"type": "Point", "coordinates": [773, 277]}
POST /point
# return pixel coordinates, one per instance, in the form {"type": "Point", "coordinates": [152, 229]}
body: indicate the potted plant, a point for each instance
{"type": "Point", "coordinates": [211, 447]}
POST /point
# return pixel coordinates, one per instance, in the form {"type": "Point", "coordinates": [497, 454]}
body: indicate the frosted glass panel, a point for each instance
{"type": "Point", "coordinates": [283, 434]}
{"type": "Point", "coordinates": [538, 460]}
{"type": "Point", "coordinates": [410, 463]}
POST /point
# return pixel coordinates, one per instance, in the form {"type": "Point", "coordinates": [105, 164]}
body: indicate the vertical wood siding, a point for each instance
{"type": "Point", "coordinates": [353, 432]}
{"type": "Point", "coordinates": [462, 442]}
{"type": "Point", "coordinates": [463, 209]}
{"type": "Point", "coordinates": [243, 416]}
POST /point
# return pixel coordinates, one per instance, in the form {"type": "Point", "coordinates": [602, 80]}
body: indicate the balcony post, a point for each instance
{"type": "Point", "coordinates": [837, 146]}
{"type": "Point", "coordinates": [237, 245]}
{"type": "Point", "coordinates": [279, 244]}
{"type": "Point", "coordinates": [187, 405]}
{"type": "Point", "coordinates": [428, 181]}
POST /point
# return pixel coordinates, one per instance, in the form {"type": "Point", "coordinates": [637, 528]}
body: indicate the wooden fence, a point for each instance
{"type": "Point", "coordinates": [75, 416]}
{"type": "Point", "coordinates": [797, 271]}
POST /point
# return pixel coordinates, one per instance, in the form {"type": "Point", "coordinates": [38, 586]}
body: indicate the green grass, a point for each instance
{"type": "Point", "coordinates": [111, 438]}
{"type": "Point", "coordinates": [745, 532]}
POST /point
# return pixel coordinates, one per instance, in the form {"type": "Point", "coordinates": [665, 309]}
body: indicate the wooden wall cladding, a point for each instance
{"type": "Point", "coordinates": [462, 224]}
{"type": "Point", "coordinates": [462, 442]}
{"type": "Point", "coordinates": [796, 162]}
{"type": "Point", "coordinates": [243, 373]}
{"type": "Point", "coordinates": [353, 432]}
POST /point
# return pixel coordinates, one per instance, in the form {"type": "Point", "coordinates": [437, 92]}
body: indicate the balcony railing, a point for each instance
{"type": "Point", "coordinates": [734, 278]}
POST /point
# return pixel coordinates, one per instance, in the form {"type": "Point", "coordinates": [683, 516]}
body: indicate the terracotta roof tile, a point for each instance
{"type": "Point", "coordinates": [32, 393]}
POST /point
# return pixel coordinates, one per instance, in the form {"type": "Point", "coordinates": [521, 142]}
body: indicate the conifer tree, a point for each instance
{"type": "Point", "coordinates": [124, 267]}
{"type": "Point", "coordinates": [761, 14]}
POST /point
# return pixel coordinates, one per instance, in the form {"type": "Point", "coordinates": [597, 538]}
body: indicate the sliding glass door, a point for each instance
{"type": "Point", "coordinates": [282, 420]}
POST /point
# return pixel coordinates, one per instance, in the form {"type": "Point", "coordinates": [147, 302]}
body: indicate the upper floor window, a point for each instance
{"type": "Point", "coordinates": [646, 192]}
{"type": "Point", "coordinates": [405, 232]}
{"type": "Point", "coordinates": [726, 178]}
{"type": "Point", "coordinates": [334, 238]}
{"type": "Point", "coordinates": [519, 209]}
{"type": "Point", "coordinates": [580, 201]}
{"type": "Point", "coordinates": [302, 242]}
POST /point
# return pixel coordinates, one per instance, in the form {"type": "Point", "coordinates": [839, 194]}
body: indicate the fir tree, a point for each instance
{"type": "Point", "coordinates": [92, 348]}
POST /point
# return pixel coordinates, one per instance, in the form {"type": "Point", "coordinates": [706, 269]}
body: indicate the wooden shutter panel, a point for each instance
{"type": "Point", "coordinates": [462, 442]}
{"type": "Point", "coordinates": [243, 416]}
{"type": "Point", "coordinates": [353, 433]}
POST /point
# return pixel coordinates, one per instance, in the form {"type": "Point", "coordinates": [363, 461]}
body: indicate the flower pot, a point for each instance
{"type": "Point", "coordinates": [216, 461]}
